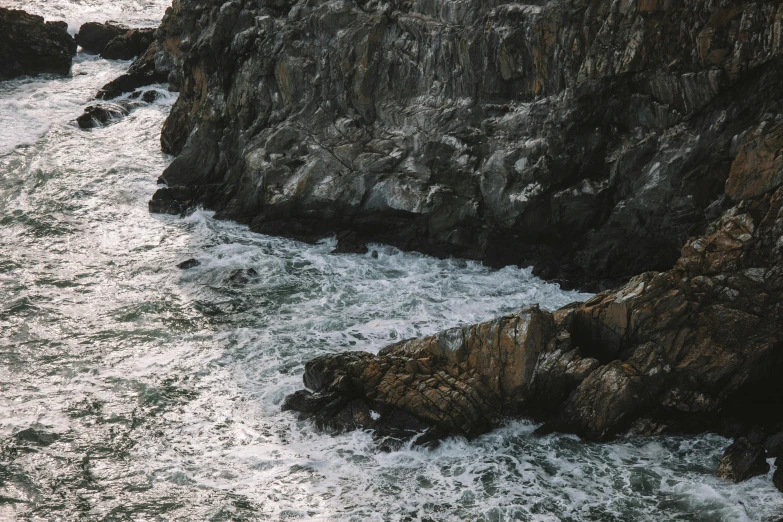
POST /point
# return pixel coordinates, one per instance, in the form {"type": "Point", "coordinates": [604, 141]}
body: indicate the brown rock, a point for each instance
{"type": "Point", "coordinates": [743, 460]}
{"type": "Point", "coordinates": [681, 350]}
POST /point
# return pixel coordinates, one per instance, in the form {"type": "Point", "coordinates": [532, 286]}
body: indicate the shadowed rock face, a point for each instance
{"type": "Point", "coordinates": [28, 45]}
{"type": "Point", "coordinates": [588, 138]}
{"type": "Point", "coordinates": [674, 351]}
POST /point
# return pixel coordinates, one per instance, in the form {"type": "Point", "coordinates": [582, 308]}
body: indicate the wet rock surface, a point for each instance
{"type": "Point", "coordinates": [28, 45]}
{"type": "Point", "coordinates": [590, 139]}
{"type": "Point", "coordinates": [93, 37]}
{"type": "Point", "coordinates": [142, 72]}
{"type": "Point", "coordinates": [743, 460]}
{"type": "Point", "coordinates": [676, 351]}
{"type": "Point", "coordinates": [114, 41]}
{"type": "Point", "coordinates": [99, 114]}
{"type": "Point", "coordinates": [128, 45]}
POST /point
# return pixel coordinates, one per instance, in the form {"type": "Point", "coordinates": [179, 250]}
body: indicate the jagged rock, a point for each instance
{"type": "Point", "coordinates": [681, 350]}
{"type": "Point", "coordinates": [588, 138]}
{"type": "Point", "coordinates": [128, 45]}
{"type": "Point", "coordinates": [743, 460]}
{"type": "Point", "coordinates": [28, 45]}
{"type": "Point", "coordinates": [141, 72]}
{"type": "Point", "coordinates": [94, 36]}
{"type": "Point", "coordinates": [101, 113]}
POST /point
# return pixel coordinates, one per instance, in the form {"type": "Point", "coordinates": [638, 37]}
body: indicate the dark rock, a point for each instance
{"type": "Point", "coordinates": [587, 138]}
{"type": "Point", "coordinates": [678, 351]}
{"type": "Point", "coordinates": [30, 46]}
{"type": "Point", "coordinates": [141, 72]}
{"type": "Point", "coordinates": [743, 460]}
{"type": "Point", "coordinates": [129, 44]}
{"type": "Point", "coordinates": [100, 114]}
{"type": "Point", "coordinates": [189, 263]}
{"type": "Point", "coordinates": [774, 445]}
{"type": "Point", "coordinates": [777, 477]}
{"type": "Point", "coordinates": [150, 96]}
{"type": "Point", "coordinates": [93, 36]}
{"type": "Point", "coordinates": [349, 243]}
{"type": "Point", "coordinates": [170, 201]}
{"type": "Point", "coordinates": [37, 437]}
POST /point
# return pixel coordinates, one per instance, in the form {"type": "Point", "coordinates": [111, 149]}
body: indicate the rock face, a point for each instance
{"type": "Point", "coordinates": [680, 350]}
{"type": "Point", "coordinates": [588, 138]}
{"type": "Point", "coordinates": [28, 45]}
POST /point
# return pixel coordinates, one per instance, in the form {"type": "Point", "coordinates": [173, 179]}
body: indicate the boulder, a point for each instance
{"type": "Point", "coordinates": [28, 45]}
{"type": "Point", "coordinates": [743, 460]}
{"type": "Point", "coordinates": [94, 36]}
{"type": "Point", "coordinates": [128, 45]}
{"type": "Point", "coordinates": [99, 114]}
{"type": "Point", "coordinates": [188, 264]}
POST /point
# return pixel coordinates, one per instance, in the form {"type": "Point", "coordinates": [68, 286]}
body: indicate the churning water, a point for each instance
{"type": "Point", "coordinates": [133, 390]}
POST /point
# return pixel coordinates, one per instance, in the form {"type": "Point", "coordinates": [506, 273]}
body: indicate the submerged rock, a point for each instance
{"type": "Point", "coordinates": [743, 460]}
{"type": "Point", "coordinates": [188, 264]}
{"type": "Point", "coordinates": [668, 352]}
{"type": "Point", "coordinates": [99, 114]}
{"type": "Point", "coordinates": [587, 138]}
{"type": "Point", "coordinates": [28, 45]}
{"type": "Point", "coordinates": [94, 36]}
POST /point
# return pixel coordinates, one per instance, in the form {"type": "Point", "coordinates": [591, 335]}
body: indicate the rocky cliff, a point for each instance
{"type": "Point", "coordinates": [588, 138]}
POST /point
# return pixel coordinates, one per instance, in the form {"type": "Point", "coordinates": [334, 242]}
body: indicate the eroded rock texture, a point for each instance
{"type": "Point", "coordinates": [28, 45]}
{"type": "Point", "coordinates": [681, 350]}
{"type": "Point", "coordinates": [588, 138]}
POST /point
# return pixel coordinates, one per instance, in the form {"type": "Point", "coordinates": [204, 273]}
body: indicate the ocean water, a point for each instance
{"type": "Point", "coordinates": [133, 390]}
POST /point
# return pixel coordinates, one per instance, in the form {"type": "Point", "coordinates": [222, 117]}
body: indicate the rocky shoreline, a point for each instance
{"type": "Point", "coordinates": [632, 148]}
{"type": "Point", "coordinates": [585, 138]}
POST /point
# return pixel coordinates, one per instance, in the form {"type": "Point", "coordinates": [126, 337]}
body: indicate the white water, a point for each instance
{"type": "Point", "coordinates": [162, 387]}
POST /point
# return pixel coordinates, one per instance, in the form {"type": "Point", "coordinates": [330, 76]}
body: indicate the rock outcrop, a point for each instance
{"type": "Point", "coordinates": [588, 138]}
{"type": "Point", "coordinates": [93, 37]}
{"type": "Point", "coordinates": [142, 72]}
{"type": "Point", "coordinates": [28, 45]}
{"type": "Point", "coordinates": [676, 351]}
{"type": "Point", "coordinates": [114, 41]}
{"type": "Point", "coordinates": [129, 45]}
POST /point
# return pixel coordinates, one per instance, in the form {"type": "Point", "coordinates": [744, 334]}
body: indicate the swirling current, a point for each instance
{"type": "Point", "coordinates": [134, 390]}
